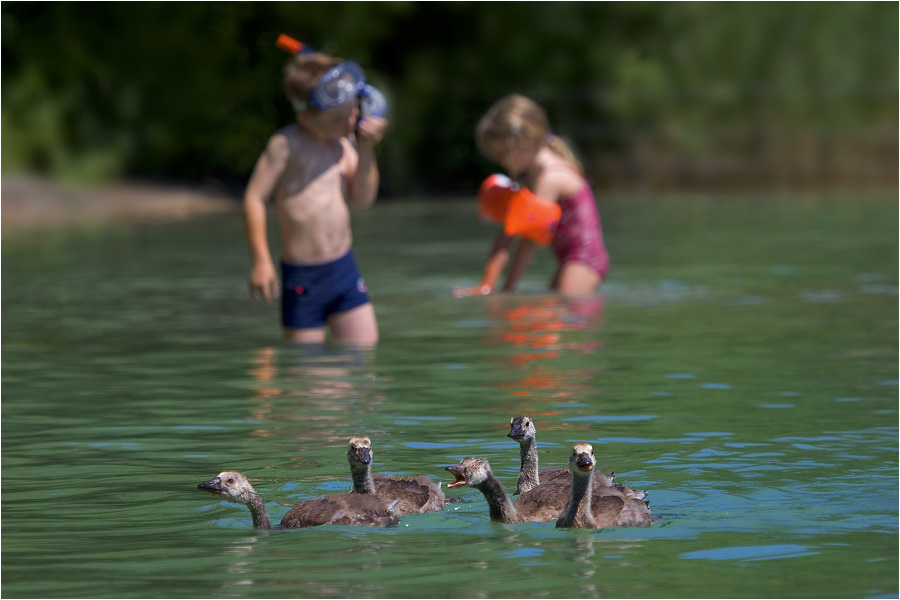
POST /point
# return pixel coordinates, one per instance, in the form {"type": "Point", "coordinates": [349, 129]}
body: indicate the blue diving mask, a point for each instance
{"type": "Point", "coordinates": [372, 102]}
{"type": "Point", "coordinates": [340, 85]}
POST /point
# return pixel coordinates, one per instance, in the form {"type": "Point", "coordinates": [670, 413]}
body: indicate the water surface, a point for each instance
{"type": "Point", "coordinates": [741, 364]}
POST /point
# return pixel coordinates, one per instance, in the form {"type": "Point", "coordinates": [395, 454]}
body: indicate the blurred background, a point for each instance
{"type": "Point", "coordinates": [652, 95]}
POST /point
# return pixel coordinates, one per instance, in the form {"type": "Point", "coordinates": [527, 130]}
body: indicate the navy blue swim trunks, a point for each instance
{"type": "Point", "coordinates": [311, 293]}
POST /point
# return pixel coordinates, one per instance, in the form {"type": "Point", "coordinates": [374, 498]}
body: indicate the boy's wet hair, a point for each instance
{"type": "Point", "coordinates": [303, 73]}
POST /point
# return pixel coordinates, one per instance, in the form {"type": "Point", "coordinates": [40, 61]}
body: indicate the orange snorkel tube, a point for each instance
{"type": "Point", "coordinates": [520, 212]}
{"type": "Point", "coordinates": [290, 45]}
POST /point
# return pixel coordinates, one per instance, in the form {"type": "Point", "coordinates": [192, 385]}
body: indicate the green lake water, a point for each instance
{"type": "Point", "coordinates": [741, 364]}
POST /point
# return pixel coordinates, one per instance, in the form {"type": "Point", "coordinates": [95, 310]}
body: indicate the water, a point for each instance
{"type": "Point", "coordinates": [741, 364]}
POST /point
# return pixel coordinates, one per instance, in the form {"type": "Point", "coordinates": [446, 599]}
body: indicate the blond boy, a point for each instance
{"type": "Point", "coordinates": [315, 169]}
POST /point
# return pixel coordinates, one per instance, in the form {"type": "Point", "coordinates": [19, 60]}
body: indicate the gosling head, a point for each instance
{"type": "Point", "coordinates": [470, 471]}
{"type": "Point", "coordinates": [231, 485]}
{"type": "Point", "coordinates": [521, 429]}
{"type": "Point", "coordinates": [359, 451]}
{"type": "Point", "coordinates": [582, 461]}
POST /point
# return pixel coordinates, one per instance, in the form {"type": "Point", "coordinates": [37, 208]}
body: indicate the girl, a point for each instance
{"type": "Point", "coordinates": [515, 134]}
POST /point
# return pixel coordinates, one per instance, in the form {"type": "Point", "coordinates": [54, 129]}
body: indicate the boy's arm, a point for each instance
{"type": "Point", "coordinates": [364, 182]}
{"type": "Point", "coordinates": [268, 169]}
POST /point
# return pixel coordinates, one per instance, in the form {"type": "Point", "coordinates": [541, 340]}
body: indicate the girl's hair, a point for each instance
{"type": "Point", "coordinates": [303, 73]}
{"type": "Point", "coordinates": [518, 118]}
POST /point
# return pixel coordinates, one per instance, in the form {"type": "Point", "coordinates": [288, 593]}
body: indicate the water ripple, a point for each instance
{"type": "Point", "coordinates": [752, 553]}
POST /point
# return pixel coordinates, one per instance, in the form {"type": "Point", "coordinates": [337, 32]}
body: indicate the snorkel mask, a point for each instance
{"type": "Point", "coordinates": [338, 86]}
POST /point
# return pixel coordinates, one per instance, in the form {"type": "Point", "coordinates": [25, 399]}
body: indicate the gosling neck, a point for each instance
{"type": "Point", "coordinates": [363, 481]}
{"type": "Point", "coordinates": [259, 513]}
{"type": "Point", "coordinates": [500, 507]}
{"type": "Point", "coordinates": [579, 513]}
{"type": "Point", "coordinates": [528, 474]}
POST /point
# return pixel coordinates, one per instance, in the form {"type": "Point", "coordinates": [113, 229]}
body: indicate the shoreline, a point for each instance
{"type": "Point", "coordinates": [29, 203]}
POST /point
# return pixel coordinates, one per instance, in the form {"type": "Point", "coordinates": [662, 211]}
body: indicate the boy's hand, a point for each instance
{"type": "Point", "coordinates": [370, 131]}
{"type": "Point", "coordinates": [264, 282]}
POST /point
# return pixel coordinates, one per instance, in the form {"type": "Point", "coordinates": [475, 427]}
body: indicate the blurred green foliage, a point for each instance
{"type": "Point", "coordinates": [647, 92]}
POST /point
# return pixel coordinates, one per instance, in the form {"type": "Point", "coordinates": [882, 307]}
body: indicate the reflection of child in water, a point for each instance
{"type": "Point", "coordinates": [535, 330]}
{"type": "Point", "coordinates": [314, 169]}
{"type": "Point", "coordinates": [515, 133]}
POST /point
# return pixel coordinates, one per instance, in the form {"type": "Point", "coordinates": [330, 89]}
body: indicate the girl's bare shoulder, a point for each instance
{"type": "Point", "coordinates": [560, 177]}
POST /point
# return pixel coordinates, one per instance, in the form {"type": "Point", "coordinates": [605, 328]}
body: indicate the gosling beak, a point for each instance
{"type": "Point", "coordinates": [459, 472]}
{"type": "Point", "coordinates": [213, 486]}
{"type": "Point", "coordinates": [583, 462]}
{"type": "Point", "coordinates": [365, 456]}
{"type": "Point", "coordinates": [516, 432]}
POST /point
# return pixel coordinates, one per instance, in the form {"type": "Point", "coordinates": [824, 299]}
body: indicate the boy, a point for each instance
{"type": "Point", "coordinates": [314, 168]}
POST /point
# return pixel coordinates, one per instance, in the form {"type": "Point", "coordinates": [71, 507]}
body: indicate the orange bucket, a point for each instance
{"type": "Point", "coordinates": [494, 196]}
{"type": "Point", "coordinates": [522, 213]}
{"type": "Point", "coordinates": [531, 217]}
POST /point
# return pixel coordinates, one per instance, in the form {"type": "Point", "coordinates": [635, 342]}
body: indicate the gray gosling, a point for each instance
{"type": "Point", "coordinates": [415, 494]}
{"type": "Point", "coordinates": [523, 431]}
{"type": "Point", "coordinates": [334, 509]}
{"type": "Point", "coordinates": [535, 505]}
{"type": "Point", "coordinates": [587, 509]}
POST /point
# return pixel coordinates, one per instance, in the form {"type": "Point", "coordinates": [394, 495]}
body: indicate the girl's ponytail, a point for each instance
{"type": "Point", "coordinates": [558, 146]}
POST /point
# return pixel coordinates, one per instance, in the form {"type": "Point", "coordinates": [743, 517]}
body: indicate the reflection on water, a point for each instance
{"type": "Point", "coordinates": [531, 330]}
{"type": "Point", "coordinates": [314, 384]}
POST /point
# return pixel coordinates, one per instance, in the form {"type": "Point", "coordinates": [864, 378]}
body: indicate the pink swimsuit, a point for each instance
{"type": "Point", "coordinates": [578, 236]}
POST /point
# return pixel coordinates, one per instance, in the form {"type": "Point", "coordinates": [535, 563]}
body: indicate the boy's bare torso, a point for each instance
{"type": "Point", "coordinates": [311, 197]}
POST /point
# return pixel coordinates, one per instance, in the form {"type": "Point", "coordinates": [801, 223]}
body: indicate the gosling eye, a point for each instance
{"type": "Point", "coordinates": [230, 480]}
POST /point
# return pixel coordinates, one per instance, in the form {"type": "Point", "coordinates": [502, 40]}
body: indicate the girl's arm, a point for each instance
{"type": "Point", "coordinates": [547, 187]}
{"type": "Point", "coordinates": [520, 263]}
{"type": "Point", "coordinates": [492, 269]}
